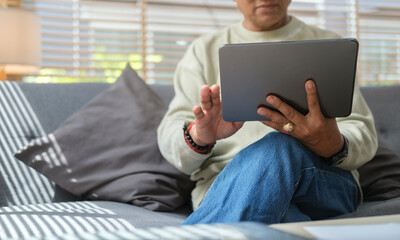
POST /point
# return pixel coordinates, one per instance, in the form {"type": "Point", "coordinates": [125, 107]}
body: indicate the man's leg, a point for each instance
{"type": "Point", "coordinates": [294, 214]}
{"type": "Point", "coordinates": [332, 192]}
{"type": "Point", "coordinates": [264, 179]}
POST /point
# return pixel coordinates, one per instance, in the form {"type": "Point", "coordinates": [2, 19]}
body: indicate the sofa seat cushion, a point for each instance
{"type": "Point", "coordinates": [104, 221]}
{"type": "Point", "coordinates": [54, 219]}
{"type": "Point", "coordinates": [375, 208]}
{"type": "Point", "coordinates": [57, 219]}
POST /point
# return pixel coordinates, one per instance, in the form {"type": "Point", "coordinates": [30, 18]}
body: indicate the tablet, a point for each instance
{"type": "Point", "coordinates": [251, 71]}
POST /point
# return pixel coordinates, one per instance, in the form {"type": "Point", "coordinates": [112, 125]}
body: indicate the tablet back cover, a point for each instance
{"type": "Point", "coordinates": [250, 72]}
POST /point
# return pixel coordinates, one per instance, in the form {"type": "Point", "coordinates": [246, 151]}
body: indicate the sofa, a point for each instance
{"type": "Point", "coordinates": [67, 214]}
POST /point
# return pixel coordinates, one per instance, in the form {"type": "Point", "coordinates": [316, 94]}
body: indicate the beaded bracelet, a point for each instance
{"type": "Point", "coordinates": [197, 148]}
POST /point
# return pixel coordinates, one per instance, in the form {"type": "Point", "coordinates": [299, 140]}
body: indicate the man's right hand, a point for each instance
{"type": "Point", "coordinates": [209, 125]}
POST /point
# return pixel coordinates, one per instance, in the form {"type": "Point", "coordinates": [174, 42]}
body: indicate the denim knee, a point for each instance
{"type": "Point", "coordinates": [278, 146]}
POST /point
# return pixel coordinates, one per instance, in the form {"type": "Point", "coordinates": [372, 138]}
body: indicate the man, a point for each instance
{"type": "Point", "coordinates": [292, 168]}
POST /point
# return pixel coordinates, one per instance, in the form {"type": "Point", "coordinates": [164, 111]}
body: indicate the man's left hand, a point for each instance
{"type": "Point", "coordinates": [318, 133]}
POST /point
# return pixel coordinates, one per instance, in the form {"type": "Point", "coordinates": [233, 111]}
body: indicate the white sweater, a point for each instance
{"type": "Point", "coordinates": [199, 66]}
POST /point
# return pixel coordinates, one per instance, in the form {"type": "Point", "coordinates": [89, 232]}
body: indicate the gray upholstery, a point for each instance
{"type": "Point", "coordinates": [56, 102]}
{"type": "Point", "coordinates": [78, 217]}
{"type": "Point", "coordinates": [387, 207]}
{"type": "Point", "coordinates": [140, 217]}
{"type": "Point", "coordinates": [384, 104]}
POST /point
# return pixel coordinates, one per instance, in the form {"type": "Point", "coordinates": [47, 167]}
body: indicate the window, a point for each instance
{"type": "Point", "coordinates": [89, 40]}
{"type": "Point", "coordinates": [379, 34]}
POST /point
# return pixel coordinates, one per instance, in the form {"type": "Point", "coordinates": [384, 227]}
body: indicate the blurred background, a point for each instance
{"type": "Point", "coordinates": [91, 40]}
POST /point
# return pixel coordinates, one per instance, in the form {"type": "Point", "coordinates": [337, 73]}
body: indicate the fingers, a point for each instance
{"type": "Point", "coordinates": [288, 112]}
{"type": "Point", "coordinates": [274, 125]}
{"type": "Point", "coordinates": [198, 113]}
{"type": "Point", "coordinates": [209, 97]}
{"type": "Point", "coordinates": [312, 99]}
{"type": "Point", "coordinates": [205, 97]}
{"type": "Point", "coordinates": [277, 120]}
{"type": "Point", "coordinates": [275, 117]}
{"type": "Point", "coordinates": [215, 95]}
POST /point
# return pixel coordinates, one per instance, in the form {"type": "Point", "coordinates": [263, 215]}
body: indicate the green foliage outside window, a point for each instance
{"type": "Point", "coordinates": [107, 68]}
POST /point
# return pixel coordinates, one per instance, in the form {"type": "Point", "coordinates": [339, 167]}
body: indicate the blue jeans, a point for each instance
{"type": "Point", "coordinates": [277, 179]}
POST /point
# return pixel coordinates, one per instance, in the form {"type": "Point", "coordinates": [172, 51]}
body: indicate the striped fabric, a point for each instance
{"type": "Point", "coordinates": [195, 232]}
{"type": "Point", "coordinates": [49, 221]}
{"type": "Point", "coordinates": [107, 228]}
{"type": "Point", "coordinates": [20, 185]}
{"type": "Point", "coordinates": [236, 231]}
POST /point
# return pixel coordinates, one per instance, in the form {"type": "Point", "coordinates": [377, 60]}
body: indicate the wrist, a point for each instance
{"type": "Point", "coordinates": [338, 157]}
{"type": "Point", "coordinates": [193, 134]}
{"type": "Point", "coordinates": [203, 149]}
{"type": "Point", "coordinates": [338, 147]}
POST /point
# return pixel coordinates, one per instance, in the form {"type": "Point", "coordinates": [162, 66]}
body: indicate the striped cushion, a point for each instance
{"type": "Point", "coordinates": [201, 231]}
{"type": "Point", "coordinates": [18, 126]}
{"type": "Point", "coordinates": [243, 230]}
{"type": "Point", "coordinates": [57, 219]}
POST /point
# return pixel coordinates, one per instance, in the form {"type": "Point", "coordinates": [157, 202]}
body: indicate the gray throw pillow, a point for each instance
{"type": "Point", "coordinates": [380, 177]}
{"type": "Point", "coordinates": [108, 150]}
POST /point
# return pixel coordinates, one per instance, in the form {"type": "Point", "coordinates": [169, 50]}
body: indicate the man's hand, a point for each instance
{"type": "Point", "coordinates": [320, 134]}
{"type": "Point", "coordinates": [210, 126]}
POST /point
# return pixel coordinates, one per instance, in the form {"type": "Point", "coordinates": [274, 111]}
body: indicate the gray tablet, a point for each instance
{"type": "Point", "coordinates": [249, 72]}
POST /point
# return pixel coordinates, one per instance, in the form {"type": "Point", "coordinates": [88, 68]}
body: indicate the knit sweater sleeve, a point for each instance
{"type": "Point", "coordinates": [188, 80]}
{"type": "Point", "coordinates": [360, 131]}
